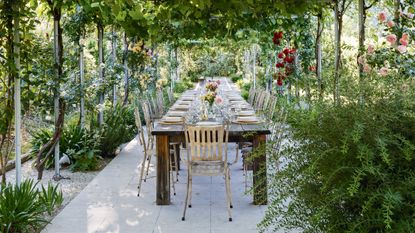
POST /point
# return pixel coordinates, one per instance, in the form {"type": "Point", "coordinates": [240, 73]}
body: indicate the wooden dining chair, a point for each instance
{"type": "Point", "coordinates": [277, 131]}
{"type": "Point", "coordinates": [171, 96]}
{"type": "Point", "coordinates": [148, 147]}
{"type": "Point", "coordinates": [251, 95]}
{"type": "Point", "coordinates": [160, 103]}
{"type": "Point", "coordinates": [207, 156]}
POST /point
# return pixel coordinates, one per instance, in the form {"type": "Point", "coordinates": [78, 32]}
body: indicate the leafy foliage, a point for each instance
{"type": "Point", "coordinates": [119, 127]}
{"type": "Point", "coordinates": [22, 207]}
{"type": "Point", "coordinates": [347, 169]}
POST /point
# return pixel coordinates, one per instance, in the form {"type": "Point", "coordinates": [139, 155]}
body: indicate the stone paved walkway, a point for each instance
{"type": "Point", "coordinates": [110, 203]}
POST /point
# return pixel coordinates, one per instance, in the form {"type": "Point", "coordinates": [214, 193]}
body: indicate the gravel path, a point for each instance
{"type": "Point", "coordinates": [70, 187]}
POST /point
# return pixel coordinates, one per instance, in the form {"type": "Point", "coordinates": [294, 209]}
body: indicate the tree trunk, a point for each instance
{"type": "Point", "coordinates": [59, 103]}
{"type": "Point", "coordinates": [397, 13]}
{"type": "Point", "coordinates": [81, 80]}
{"type": "Point", "coordinates": [58, 48]}
{"type": "Point", "coordinates": [319, 54]}
{"type": "Point", "coordinates": [17, 103]}
{"type": "Point", "coordinates": [337, 63]}
{"type": "Point", "coordinates": [100, 28]}
{"type": "Point", "coordinates": [114, 62]}
{"type": "Point", "coordinates": [126, 75]}
{"type": "Point", "coordinates": [362, 20]}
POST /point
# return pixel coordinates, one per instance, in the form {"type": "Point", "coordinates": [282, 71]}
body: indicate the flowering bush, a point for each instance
{"type": "Point", "coordinates": [396, 56]}
{"type": "Point", "coordinates": [285, 66]}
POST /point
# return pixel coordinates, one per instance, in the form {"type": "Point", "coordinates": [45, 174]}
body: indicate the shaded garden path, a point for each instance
{"type": "Point", "coordinates": [109, 203]}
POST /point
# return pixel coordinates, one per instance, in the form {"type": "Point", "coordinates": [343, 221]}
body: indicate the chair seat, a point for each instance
{"type": "Point", "coordinates": [207, 168]}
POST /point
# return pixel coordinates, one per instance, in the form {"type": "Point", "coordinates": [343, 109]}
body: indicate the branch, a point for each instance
{"type": "Point", "coordinates": [370, 6]}
{"type": "Point", "coordinates": [52, 142]}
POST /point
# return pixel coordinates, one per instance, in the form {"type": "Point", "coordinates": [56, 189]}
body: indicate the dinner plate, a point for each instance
{"type": "Point", "coordinates": [170, 119]}
{"type": "Point", "coordinates": [246, 113]}
{"type": "Point", "coordinates": [207, 123]}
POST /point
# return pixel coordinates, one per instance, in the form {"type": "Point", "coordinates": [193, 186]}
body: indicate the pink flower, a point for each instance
{"type": "Point", "coordinates": [361, 60]}
{"type": "Point", "coordinates": [382, 17]}
{"type": "Point", "coordinates": [390, 23]}
{"type": "Point", "coordinates": [401, 48]}
{"type": "Point", "coordinates": [218, 100]}
{"type": "Point", "coordinates": [370, 49]}
{"type": "Point", "coordinates": [405, 36]}
{"type": "Point", "coordinates": [218, 82]}
{"type": "Point", "coordinates": [391, 38]}
{"type": "Point", "coordinates": [403, 41]}
{"type": "Point", "coordinates": [383, 71]}
{"type": "Point", "coordinates": [366, 68]}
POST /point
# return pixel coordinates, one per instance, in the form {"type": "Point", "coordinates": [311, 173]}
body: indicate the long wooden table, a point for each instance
{"type": "Point", "coordinates": [255, 133]}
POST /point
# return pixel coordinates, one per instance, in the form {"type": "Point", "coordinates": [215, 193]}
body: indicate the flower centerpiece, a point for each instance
{"type": "Point", "coordinates": [211, 86]}
{"type": "Point", "coordinates": [209, 97]}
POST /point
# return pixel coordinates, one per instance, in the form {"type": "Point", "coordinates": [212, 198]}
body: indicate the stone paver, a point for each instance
{"type": "Point", "coordinates": [110, 204]}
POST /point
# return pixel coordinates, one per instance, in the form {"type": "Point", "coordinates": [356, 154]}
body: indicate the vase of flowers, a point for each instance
{"type": "Point", "coordinates": [209, 97]}
{"type": "Point", "coordinates": [211, 86]}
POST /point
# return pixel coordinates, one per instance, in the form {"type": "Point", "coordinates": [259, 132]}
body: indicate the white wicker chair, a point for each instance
{"type": "Point", "coordinates": [207, 156]}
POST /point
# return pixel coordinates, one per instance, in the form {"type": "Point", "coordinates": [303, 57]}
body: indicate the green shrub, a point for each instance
{"type": "Point", "coordinates": [182, 86]}
{"type": "Point", "coordinates": [39, 138]}
{"type": "Point", "coordinates": [81, 146]}
{"type": "Point", "coordinates": [23, 208]}
{"type": "Point", "coordinates": [347, 168]}
{"type": "Point", "coordinates": [235, 78]}
{"type": "Point", "coordinates": [51, 197]}
{"type": "Point", "coordinates": [119, 127]}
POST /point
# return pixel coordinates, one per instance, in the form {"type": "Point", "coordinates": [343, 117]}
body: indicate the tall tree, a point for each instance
{"type": "Point", "coordinates": [126, 70]}
{"type": "Point", "coordinates": [340, 7]}
{"type": "Point", "coordinates": [55, 7]}
{"type": "Point", "coordinates": [362, 37]}
{"type": "Point", "coordinates": [319, 54]}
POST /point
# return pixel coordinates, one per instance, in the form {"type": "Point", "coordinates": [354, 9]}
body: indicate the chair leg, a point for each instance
{"type": "Point", "coordinates": [148, 166]}
{"type": "Point", "coordinates": [246, 176]}
{"type": "Point", "coordinates": [229, 188]}
{"type": "Point", "coordinates": [228, 194]}
{"type": "Point", "coordinates": [172, 177]}
{"type": "Point", "coordinates": [187, 196]}
{"type": "Point", "coordinates": [143, 167]}
{"type": "Point", "coordinates": [176, 163]}
{"type": "Point", "coordinates": [190, 191]}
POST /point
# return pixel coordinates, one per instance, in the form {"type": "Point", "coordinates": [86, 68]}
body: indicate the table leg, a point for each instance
{"type": "Point", "coordinates": [259, 171]}
{"type": "Point", "coordinates": [163, 174]}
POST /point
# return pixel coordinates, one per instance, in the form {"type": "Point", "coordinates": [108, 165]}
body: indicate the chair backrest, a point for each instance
{"type": "Point", "coordinates": [207, 143]}
{"type": "Point", "coordinates": [259, 98]}
{"type": "Point", "coordinates": [147, 116]}
{"type": "Point", "coordinates": [170, 95]}
{"type": "Point", "coordinates": [271, 107]}
{"type": "Point", "coordinates": [160, 102]}
{"type": "Point", "coordinates": [265, 101]}
{"type": "Point", "coordinates": [251, 95]}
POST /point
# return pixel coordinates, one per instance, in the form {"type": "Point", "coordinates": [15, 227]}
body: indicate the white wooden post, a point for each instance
{"type": "Point", "coordinates": [56, 94]}
{"type": "Point", "coordinates": [17, 103]}
{"type": "Point", "coordinates": [254, 65]}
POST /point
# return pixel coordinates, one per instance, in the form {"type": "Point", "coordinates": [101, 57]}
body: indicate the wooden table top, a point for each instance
{"type": "Point", "coordinates": [235, 129]}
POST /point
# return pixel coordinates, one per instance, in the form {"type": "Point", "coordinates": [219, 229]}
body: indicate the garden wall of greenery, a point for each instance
{"type": "Point", "coordinates": [72, 71]}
